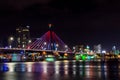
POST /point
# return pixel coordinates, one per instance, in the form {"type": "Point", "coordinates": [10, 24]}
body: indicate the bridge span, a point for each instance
{"type": "Point", "coordinates": [48, 44]}
{"type": "Point", "coordinates": [32, 54]}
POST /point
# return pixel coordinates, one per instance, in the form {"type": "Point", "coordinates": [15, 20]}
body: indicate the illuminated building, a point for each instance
{"type": "Point", "coordinates": [23, 36]}
{"type": "Point", "coordinates": [79, 48]}
{"type": "Point", "coordinates": [98, 48]}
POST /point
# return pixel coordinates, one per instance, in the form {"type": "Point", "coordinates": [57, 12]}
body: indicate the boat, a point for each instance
{"type": "Point", "coordinates": [50, 58]}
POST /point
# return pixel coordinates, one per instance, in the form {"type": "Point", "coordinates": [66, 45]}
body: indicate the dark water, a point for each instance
{"type": "Point", "coordinates": [60, 70]}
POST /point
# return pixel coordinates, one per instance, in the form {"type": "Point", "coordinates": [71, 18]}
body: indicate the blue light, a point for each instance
{"type": "Point", "coordinates": [22, 52]}
{"type": "Point", "coordinates": [4, 68]}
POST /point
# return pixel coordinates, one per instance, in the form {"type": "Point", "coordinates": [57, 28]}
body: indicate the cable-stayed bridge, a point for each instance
{"type": "Point", "coordinates": [47, 44]}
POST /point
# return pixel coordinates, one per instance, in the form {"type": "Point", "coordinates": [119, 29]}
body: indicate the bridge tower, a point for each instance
{"type": "Point", "coordinates": [51, 38]}
{"type": "Point", "coordinates": [49, 41]}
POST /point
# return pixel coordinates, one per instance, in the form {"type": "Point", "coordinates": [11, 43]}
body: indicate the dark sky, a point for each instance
{"type": "Point", "coordinates": [75, 21]}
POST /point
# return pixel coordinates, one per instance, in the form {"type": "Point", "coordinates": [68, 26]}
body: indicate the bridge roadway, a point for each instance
{"type": "Point", "coordinates": [17, 50]}
{"type": "Point", "coordinates": [27, 52]}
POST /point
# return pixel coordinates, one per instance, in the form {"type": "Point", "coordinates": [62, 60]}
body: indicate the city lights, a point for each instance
{"type": "Point", "coordinates": [10, 41]}
{"type": "Point", "coordinates": [51, 44]}
{"type": "Point", "coordinates": [59, 40]}
{"type": "Point", "coordinates": [29, 41]}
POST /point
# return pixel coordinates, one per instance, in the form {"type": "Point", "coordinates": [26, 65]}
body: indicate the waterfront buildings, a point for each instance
{"type": "Point", "coordinates": [22, 36]}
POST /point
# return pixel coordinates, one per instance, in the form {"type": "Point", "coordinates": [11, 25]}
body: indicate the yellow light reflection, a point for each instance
{"type": "Point", "coordinates": [99, 74]}
{"type": "Point", "coordinates": [66, 61]}
{"type": "Point", "coordinates": [88, 73]}
{"type": "Point", "coordinates": [66, 66]}
{"type": "Point", "coordinates": [74, 72]}
{"type": "Point", "coordinates": [66, 72]}
{"type": "Point", "coordinates": [29, 66]}
{"type": "Point", "coordinates": [74, 66]}
{"type": "Point", "coordinates": [57, 67]}
{"type": "Point", "coordinates": [45, 67]}
{"type": "Point", "coordinates": [11, 66]}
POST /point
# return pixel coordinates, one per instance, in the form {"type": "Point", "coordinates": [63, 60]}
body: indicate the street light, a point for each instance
{"type": "Point", "coordinates": [66, 47]}
{"type": "Point", "coordinates": [56, 48]}
{"type": "Point", "coordinates": [45, 43]}
{"type": "Point", "coordinates": [11, 39]}
{"type": "Point", "coordinates": [29, 41]}
{"type": "Point", "coordinates": [57, 45]}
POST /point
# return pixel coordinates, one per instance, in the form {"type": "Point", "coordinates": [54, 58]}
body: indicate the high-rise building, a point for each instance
{"type": "Point", "coordinates": [79, 48]}
{"type": "Point", "coordinates": [98, 48]}
{"type": "Point", "coordinates": [23, 36]}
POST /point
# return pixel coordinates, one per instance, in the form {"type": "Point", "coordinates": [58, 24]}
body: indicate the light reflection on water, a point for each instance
{"type": "Point", "coordinates": [60, 70]}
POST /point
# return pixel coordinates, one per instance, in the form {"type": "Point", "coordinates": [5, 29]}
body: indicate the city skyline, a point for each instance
{"type": "Point", "coordinates": [90, 23]}
{"type": "Point", "coordinates": [59, 39]}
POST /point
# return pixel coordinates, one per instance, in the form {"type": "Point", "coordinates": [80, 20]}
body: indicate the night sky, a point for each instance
{"type": "Point", "coordinates": [88, 22]}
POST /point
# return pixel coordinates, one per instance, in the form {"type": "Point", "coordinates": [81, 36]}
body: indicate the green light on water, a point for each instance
{"type": "Point", "coordinates": [92, 56]}
{"type": "Point", "coordinates": [77, 57]}
{"type": "Point", "coordinates": [60, 57]}
{"type": "Point", "coordinates": [50, 59]}
{"type": "Point", "coordinates": [64, 57]}
{"type": "Point", "coordinates": [84, 57]}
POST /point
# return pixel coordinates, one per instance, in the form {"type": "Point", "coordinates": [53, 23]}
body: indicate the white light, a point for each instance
{"type": "Point", "coordinates": [66, 50]}
{"type": "Point", "coordinates": [103, 51]}
{"type": "Point", "coordinates": [23, 45]}
{"type": "Point", "coordinates": [73, 47]}
{"type": "Point", "coordinates": [29, 67]}
{"type": "Point", "coordinates": [11, 38]}
{"type": "Point", "coordinates": [11, 66]}
{"type": "Point", "coordinates": [28, 26]}
{"type": "Point", "coordinates": [56, 49]}
{"type": "Point", "coordinates": [45, 43]}
{"type": "Point", "coordinates": [10, 46]}
{"type": "Point", "coordinates": [29, 41]}
{"type": "Point", "coordinates": [44, 67]}
{"type": "Point", "coordinates": [57, 45]}
{"type": "Point", "coordinates": [57, 68]}
{"type": "Point", "coordinates": [66, 46]}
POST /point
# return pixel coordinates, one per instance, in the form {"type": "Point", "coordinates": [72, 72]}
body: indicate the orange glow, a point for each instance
{"type": "Point", "coordinates": [33, 54]}
{"type": "Point", "coordinates": [44, 53]}
{"type": "Point", "coordinates": [50, 25]}
{"type": "Point", "coordinates": [65, 54]}
{"type": "Point", "coordinates": [38, 54]}
{"type": "Point", "coordinates": [57, 53]}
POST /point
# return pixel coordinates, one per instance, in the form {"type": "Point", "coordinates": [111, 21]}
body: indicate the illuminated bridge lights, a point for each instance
{"type": "Point", "coordinates": [44, 53]}
{"type": "Point", "coordinates": [47, 43]}
{"type": "Point", "coordinates": [56, 53]}
{"type": "Point", "coordinates": [66, 54]}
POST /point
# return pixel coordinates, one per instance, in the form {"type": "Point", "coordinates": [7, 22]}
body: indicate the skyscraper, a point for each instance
{"type": "Point", "coordinates": [98, 48]}
{"type": "Point", "coordinates": [23, 36]}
